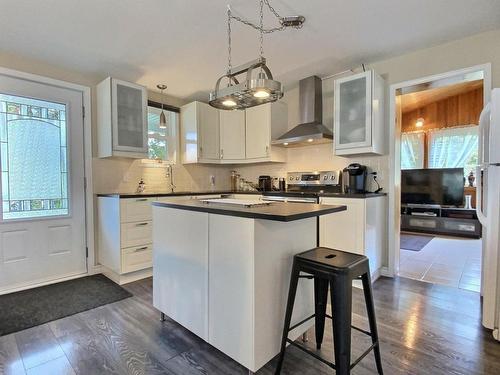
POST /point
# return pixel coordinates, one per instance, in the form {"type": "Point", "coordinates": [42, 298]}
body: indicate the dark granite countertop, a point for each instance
{"type": "Point", "coordinates": [268, 193]}
{"type": "Point", "coordinates": [276, 211]}
{"type": "Point", "coordinates": [174, 194]}
{"type": "Point", "coordinates": [323, 194]}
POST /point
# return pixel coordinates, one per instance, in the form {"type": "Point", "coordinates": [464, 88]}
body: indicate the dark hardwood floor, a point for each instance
{"type": "Point", "coordinates": [424, 329]}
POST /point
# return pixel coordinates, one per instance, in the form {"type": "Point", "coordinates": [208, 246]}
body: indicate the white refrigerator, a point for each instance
{"type": "Point", "coordinates": [488, 209]}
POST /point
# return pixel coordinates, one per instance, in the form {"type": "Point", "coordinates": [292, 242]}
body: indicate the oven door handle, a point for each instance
{"type": "Point", "coordinates": [274, 199]}
{"type": "Point", "coordinates": [302, 200]}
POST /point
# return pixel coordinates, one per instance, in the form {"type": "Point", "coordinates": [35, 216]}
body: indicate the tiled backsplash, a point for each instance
{"type": "Point", "coordinates": [123, 175]}
{"type": "Point", "coordinates": [316, 158]}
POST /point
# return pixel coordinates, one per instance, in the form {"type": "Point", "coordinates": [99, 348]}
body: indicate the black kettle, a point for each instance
{"type": "Point", "coordinates": [265, 183]}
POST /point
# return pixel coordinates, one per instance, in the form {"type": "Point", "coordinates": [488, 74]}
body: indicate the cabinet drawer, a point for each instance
{"type": "Point", "coordinates": [137, 258]}
{"type": "Point", "coordinates": [423, 223]}
{"type": "Point", "coordinates": [135, 209]}
{"type": "Point", "coordinates": [136, 234]}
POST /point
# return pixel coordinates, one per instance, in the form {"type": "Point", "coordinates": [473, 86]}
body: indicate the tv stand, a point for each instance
{"type": "Point", "coordinates": [435, 219]}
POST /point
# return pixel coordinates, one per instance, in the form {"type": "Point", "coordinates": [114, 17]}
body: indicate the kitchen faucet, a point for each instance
{"type": "Point", "coordinates": [170, 175]}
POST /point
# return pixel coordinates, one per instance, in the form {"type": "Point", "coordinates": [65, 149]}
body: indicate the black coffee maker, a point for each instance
{"type": "Point", "coordinates": [354, 176]}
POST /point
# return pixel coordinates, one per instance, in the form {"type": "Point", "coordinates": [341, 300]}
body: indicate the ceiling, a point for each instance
{"type": "Point", "coordinates": [183, 42]}
{"type": "Point", "coordinates": [412, 101]}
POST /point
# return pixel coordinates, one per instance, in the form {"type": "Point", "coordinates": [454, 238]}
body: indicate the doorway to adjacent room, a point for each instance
{"type": "Point", "coordinates": [437, 237]}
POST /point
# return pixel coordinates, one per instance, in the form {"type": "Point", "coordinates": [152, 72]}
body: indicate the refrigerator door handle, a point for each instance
{"type": "Point", "coordinates": [479, 195]}
{"type": "Point", "coordinates": [484, 128]}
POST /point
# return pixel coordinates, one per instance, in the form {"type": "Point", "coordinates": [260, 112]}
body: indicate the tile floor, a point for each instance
{"type": "Point", "coordinates": [448, 261]}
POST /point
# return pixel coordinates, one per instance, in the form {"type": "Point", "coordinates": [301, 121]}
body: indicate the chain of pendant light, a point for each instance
{"type": "Point", "coordinates": [259, 27]}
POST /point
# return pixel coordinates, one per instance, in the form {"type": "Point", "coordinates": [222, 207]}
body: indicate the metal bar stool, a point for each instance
{"type": "Point", "coordinates": [336, 269]}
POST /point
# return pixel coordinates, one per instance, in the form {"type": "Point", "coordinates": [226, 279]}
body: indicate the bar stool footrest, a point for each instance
{"type": "Point", "coordinates": [329, 317]}
{"type": "Point", "coordinates": [311, 353]}
{"type": "Point", "coordinates": [365, 353]}
{"type": "Point", "coordinates": [331, 364]}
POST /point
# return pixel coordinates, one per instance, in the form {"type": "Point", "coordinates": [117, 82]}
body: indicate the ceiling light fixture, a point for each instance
{"type": "Point", "coordinates": [163, 119]}
{"type": "Point", "coordinates": [420, 122]}
{"type": "Point", "coordinates": [254, 90]}
{"type": "Point", "coordinates": [229, 103]}
{"type": "Point", "coordinates": [261, 94]}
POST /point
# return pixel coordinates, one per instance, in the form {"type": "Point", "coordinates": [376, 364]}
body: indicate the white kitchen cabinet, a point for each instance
{"type": "Point", "coordinates": [125, 234]}
{"type": "Point", "coordinates": [232, 136]}
{"type": "Point", "coordinates": [265, 123]}
{"type": "Point", "coordinates": [359, 114]}
{"type": "Point", "coordinates": [122, 119]}
{"type": "Point", "coordinates": [125, 237]}
{"type": "Point", "coordinates": [137, 258]}
{"type": "Point", "coordinates": [181, 289]}
{"type": "Point", "coordinates": [228, 283]}
{"type": "Point", "coordinates": [200, 136]}
{"type": "Point", "coordinates": [361, 229]}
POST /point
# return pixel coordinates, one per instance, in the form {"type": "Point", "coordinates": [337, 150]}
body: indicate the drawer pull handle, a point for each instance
{"type": "Point", "coordinates": [141, 200]}
{"type": "Point", "coordinates": [140, 249]}
{"type": "Point", "coordinates": [141, 224]}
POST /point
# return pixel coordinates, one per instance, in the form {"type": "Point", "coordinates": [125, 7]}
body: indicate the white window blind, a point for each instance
{"type": "Point", "coordinates": [412, 150]}
{"type": "Point", "coordinates": [454, 148]}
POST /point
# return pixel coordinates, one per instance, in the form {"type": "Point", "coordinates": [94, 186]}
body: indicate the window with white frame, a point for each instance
{"type": "Point", "coordinates": [162, 143]}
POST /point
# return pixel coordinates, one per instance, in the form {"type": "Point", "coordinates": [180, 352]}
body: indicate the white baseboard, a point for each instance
{"type": "Point", "coordinates": [384, 271]}
{"type": "Point", "coordinates": [94, 270]}
{"type": "Point", "coordinates": [126, 278]}
{"type": "Point", "coordinates": [42, 282]}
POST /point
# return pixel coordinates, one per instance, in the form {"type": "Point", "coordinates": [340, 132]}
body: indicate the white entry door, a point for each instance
{"type": "Point", "coordinates": [42, 227]}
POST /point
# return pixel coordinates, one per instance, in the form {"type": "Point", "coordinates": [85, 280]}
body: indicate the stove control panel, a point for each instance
{"type": "Point", "coordinates": [314, 178]}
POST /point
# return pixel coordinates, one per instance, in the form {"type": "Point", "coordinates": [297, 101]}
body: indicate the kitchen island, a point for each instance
{"type": "Point", "coordinates": [222, 271]}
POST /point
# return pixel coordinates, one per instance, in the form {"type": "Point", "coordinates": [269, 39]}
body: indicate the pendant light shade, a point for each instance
{"type": "Point", "coordinates": [163, 119]}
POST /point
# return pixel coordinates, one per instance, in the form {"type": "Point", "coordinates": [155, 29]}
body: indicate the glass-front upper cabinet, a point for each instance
{"type": "Point", "coordinates": [122, 119]}
{"type": "Point", "coordinates": [358, 114]}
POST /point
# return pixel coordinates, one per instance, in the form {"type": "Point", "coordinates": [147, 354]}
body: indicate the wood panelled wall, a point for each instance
{"type": "Point", "coordinates": [459, 110]}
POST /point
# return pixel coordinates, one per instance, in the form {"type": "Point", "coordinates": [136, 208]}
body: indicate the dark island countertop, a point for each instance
{"type": "Point", "coordinates": [275, 211]}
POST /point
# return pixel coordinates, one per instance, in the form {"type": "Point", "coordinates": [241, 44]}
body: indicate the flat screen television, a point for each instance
{"type": "Point", "coordinates": [440, 186]}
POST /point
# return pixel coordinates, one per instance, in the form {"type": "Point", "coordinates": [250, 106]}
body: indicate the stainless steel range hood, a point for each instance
{"type": "Point", "coordinates": [311, 129]}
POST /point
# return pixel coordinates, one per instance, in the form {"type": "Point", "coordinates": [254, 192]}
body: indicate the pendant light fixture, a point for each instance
{"type": "Point", "coordinates": [163, 119]}
{"type": "Point", "coordinates": [259, 88]}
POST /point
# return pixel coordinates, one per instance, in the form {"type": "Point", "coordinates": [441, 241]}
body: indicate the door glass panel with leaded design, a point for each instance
{"type": "Point", "coordinates": [34, 154]}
